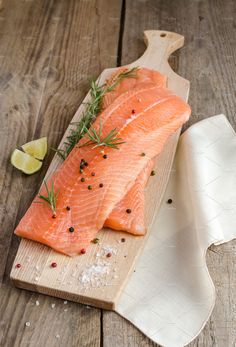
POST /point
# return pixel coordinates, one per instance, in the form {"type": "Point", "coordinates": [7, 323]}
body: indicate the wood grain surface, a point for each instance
{"type": "Point", "coordinates": [63, 282]}
{"type": "Point", "coordinates": [42, 81]}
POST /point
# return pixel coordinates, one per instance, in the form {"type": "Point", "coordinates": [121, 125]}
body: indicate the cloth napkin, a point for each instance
{"type": "Point", "coordinates": [171, 295]}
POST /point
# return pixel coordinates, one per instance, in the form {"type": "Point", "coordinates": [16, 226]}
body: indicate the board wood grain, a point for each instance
{"type": "Point", "coordinates": [207, 60]}
{"type": "Point", "coordinates": [44, 75]}
{"type": "Point", "coordinates": [64, 281]}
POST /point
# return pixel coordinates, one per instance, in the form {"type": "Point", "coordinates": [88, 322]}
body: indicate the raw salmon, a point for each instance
{"type": "Point", "coordinates": [142, 76]}
{"type": "Point", "coordinates": [114, 116]}
{"type": "Point", "coordinates": [134, 200]}
{"type": "Point", "coordinates": [128, 214]}
{"type": "Point", "coordinates": [157, 116]}
{"type": "Point", "coordinates": [128, 90]}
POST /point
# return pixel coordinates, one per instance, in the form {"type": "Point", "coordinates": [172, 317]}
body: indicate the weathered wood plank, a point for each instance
{"type": "Point", "coordinates": [48, 282]}
{"type": "Point", "coordinates": [52, 323]}
{"type": "Point", "coordinates": [208, 61]}
{"type": "Point", "coordinates": [48, 51]}
{"type": "Point", "coordinates": [20, 93]}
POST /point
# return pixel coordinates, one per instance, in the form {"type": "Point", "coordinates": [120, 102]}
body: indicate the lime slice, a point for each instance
{"type": "Point", "coordinates": [25, 162]}
{"type": "Point", "coordinates": [36, 148]}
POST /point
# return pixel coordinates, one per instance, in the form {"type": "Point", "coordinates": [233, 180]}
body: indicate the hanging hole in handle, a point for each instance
{"type": "Point", "coordinates": [163, 34]}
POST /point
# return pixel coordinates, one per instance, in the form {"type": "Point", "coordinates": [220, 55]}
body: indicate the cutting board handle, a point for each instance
{"type": "Point", "coordinates": [160, 45]}
{"type": "Point", "coordinates": [164, 43]}
{"type": "Point", "coordinates": [159, 48]}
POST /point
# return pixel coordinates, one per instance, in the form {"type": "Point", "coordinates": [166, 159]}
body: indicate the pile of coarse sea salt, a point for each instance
{"type": "Point", "coordinates": [97, 274]}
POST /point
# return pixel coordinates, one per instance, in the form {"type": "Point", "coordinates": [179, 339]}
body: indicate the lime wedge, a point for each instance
{"type": "Point", "coordinates": [25, 162]}
{"type": "Point", "coordinates": [36, 148]}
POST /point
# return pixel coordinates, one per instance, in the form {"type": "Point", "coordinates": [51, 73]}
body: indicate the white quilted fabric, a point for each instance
{"type": "Point", "coordinates": [171, 295]}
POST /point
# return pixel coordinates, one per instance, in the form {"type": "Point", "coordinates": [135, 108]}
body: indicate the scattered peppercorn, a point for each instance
{"type": "Point", "coordinates": [82, 179]}
{"type": "Point", "coordinates": [142, 154]}
{"type": "Point", "coordinates": [83, 251]}
{"type": "Point", "coordinates": [68, 208]}
{"type": "Point", "coordinates": [123, 239]}
{"type": "Point", "coordinates": [133, 111]}
{"type": "Point", "coordinates": [89, 187]}
{"type": "Point", "coordinates": [83, 163]}
{"type": "Point", "coordinates": [128, 210]}
{"type": "Point", "coordinates": [109, 255]}
{"type": "Point", "coordinates": [54, 215]}
{"type": "Point", "coordinates": [105, 156]}
{"type": "Point", "coordinates": [71, 229]}
{"type": "Point", "coordinates": [153, 173]}
{"type": "Point", "coordinates": [100, 185]}
{"type": "Point", "coordinates": [54, 264]}
{"type": "Point", "coordinates": [92, 173]}
{"type": "Point", "coordinates": [18, 266]}
{"type": "Point", "coordinates": [169, 201]}
{"type": "Point", "coordinates": [96, 240]}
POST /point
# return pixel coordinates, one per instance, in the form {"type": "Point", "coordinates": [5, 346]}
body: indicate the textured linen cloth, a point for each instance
{"type": "Point", "coordinates": [171, 295]}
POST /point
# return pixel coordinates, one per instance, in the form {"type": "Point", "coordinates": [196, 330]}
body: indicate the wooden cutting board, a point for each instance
{"type": "Point", "coordinates": [76, 279]}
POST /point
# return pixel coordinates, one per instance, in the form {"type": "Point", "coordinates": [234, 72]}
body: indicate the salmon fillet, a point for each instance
{"type": "Point", "coordinates": [157, 117]}
{"type": "Point", "coordinates": [112, 117]}
{"type": "Point", "coordinates": [134, 200]}
{"type": "Point", "coordinates": [142, 76]}
{"type": "Point", "coordinates": [128, 214]}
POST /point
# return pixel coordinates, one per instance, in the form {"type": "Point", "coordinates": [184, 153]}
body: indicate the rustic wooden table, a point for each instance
{"type": "Point", "coordinates": [48, 52]}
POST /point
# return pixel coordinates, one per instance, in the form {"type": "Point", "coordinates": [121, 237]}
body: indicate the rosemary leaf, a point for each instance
{"type": "Point", "coordinates": [60, 152]}
{"type": "Point", "coordinates": [51, 197]}
{"type": "Point", "coordinates": [131, 73]}
{"type": "Point", "coordinates": [95, 137]}
{"type": "Point", "coordinates": [43, 197]}
{"type": "Point", "coordinates": [92, 109]}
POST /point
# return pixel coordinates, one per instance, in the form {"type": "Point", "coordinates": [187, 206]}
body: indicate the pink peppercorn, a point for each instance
{"type": "Point", "coordinates": [109, 255]}
{"type": "Point", "coordinates": [54, 264]}
{"type": "Point", "coordinates": [83, 251]}
{"type": "Point", "coordinates": [18, 266]}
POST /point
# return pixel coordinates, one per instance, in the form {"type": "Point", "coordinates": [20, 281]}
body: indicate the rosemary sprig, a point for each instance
{"type": "Point", "coordinates": [95, 137]}
{"type": "Point", "coordinates": [131, 73]}
{"type": "Point", "coordinates": [51, 197]}
{"type": "Point", "coordinates": [92, 109]}
{"type": "Point", "coordinates": [60, 152]}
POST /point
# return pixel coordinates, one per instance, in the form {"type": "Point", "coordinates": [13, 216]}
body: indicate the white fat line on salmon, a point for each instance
{"type": "Point", "coordinates": [69, 190]}
{"type": "Point", "coordinates": [111, 108]}
{"type": "Point", "coordinates": [174, 124]}
{"type": "Point", "coordinates": [134, 116]}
